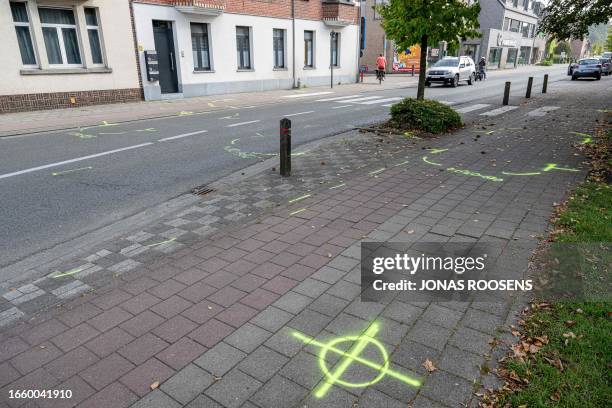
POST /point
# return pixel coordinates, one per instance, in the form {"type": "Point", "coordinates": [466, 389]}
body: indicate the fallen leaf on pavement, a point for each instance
{"type": "Point", "coordinates": [154, 385]}
{"type": "Point", "coordinates": [429, 366]}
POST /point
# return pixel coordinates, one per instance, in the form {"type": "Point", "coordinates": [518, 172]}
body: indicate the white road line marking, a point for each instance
{"type": "Point", "coordinates": [387, 104]}
{"type": "Point", "coordinates": [472, 107]}
{"type": "Point", "coordinates": [307, 94]}
{"type": "Point", "coordinates": [542, 110]}
{"type": "Point", "coordinates": [360, 99]}
{"type": "Point", "coordinates": [381, 101]}
{"type": "Point", "coordinates": [337, 98]}
{"type": "Point", "coordinates": [499, 111]}
{"type": "Point", "coordinates": [165, 139]}
{"type": "Point", "coordinates": [78, 159]}
{"type": "Point", "coordinates": [343, 106]}
{"type": "Point", "coordinates": [243, 123]}
{"type": "Point", "coordinates": [299, 113]}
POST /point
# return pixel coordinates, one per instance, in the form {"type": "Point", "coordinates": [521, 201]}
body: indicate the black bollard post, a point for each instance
{"type": "Point", "coordinates": [412, 69]}
{"type": "Point", "coordinates": [285, 147]}
{"type": "Point", "coordinates": [529, 85]}
{"type": "Point", "coordinates": [545, 84]}
{"type": "Point", "coordinates": [506, 93]}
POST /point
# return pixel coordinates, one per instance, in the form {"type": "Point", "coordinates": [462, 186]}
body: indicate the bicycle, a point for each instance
{"type": "Point", "coordinates": [380, 75]}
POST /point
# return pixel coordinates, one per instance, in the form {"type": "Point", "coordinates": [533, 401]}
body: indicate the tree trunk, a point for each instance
{"type": "Point", "coordinates": [422, 68]}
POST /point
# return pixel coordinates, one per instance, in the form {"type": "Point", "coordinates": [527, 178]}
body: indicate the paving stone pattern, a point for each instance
{"type": "Point", "coordinates": [210, 315]}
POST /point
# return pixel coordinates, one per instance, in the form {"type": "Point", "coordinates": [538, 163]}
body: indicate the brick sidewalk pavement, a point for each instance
{"type": "Point", "coordinates": [211, 320]}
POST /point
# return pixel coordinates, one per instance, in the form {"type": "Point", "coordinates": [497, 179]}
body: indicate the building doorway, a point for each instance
{"type": "Point", "coordinates": [164, 45]}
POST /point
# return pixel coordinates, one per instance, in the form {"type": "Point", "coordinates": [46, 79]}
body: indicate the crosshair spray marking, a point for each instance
{"type": "Point", "coordinates": [353, 355]}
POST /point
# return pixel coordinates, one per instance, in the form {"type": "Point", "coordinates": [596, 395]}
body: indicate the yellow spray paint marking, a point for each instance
{"type": "Point", "coordinates": [377, 171]}
{"type": "Point", "coordinates": [533, 173]}
{"type": "Point", "coordinates": [436, 151]}
{"type": "Point", "coordinates": [305, 152]}
{"type": "Point", "coordinates": [295, 200]}
{"type": "Point", "coordinates": [69, 273]}
{"type": "Point", "coordinates": [185, 113]}
{"type": "Point", "coordinates": [426, 160]}
{"type": "Point", "coordinates": [586, 138]}
{"type": "Point", "coordinates": [298, 211]}
{"type": "Point", "coordinates": [402, 163]}
{"type": "Point", "coordinates": [212, 105]}
{"type": "Point", "coordinates": [162, 243]}
{"type": "Point", "coordinates": [359, 344]}
{"type": "Point", "coordinates": [603, 110]}
{"type": "Point", "coordinates": [105, 123]}
{"type": "Point", "coordinates": [59, 173]}
{"type": "Point", "coordinates": [82, 135]}
{"type": "Point", "coordinates": [474, 174]}
{"type": "Point", "coordinates": [553, 166]}
{"type": "Point", "coordinates": [490, 132]}
{"type": "Point", "coordinates": [338, 186]}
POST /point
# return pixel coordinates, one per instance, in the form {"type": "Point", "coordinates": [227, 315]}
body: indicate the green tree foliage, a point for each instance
{"type": "Point", "coordinates": [609, 39]}
{"type": "Point", "coordinates": [597, 49]}
{"type": "Point", "coordinates": [563, 46]}
{"type": "Point", "coordinates": [425, 22]}
{"type": "Point", "coordinates": [565, 19]}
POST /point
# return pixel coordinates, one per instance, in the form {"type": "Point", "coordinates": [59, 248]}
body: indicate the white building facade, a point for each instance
{"type": "Point", "coordinates": [65, 53]}
{"type": "Point", "coordinates": [204, 47]}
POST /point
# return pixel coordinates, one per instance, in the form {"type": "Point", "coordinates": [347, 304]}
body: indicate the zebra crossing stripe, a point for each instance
{"type": "Point", "coordinates": [307, 94]}
{"type": "Point", "coordinates": [337, 98]}
{"type": "Point", "coordinates": [380, 101]}
{"type": "Point", "coordinates": [449, 103]}
{"type": "Point", "coordinates": [499, 111]}
{"type": "Point", "coordinates": [472, 107]}
{"type": "Point", "coordinates": [542, 111]}
{"type": "Point", "coordinates": [366, 98]}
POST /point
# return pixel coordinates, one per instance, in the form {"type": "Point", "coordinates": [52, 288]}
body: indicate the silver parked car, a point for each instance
{"type": "Point", "coordinates": [451, 70]}
{"type": "Point", "coordinates": [606, 65]}
{"type": "Point", "coordinates": [587, 67]}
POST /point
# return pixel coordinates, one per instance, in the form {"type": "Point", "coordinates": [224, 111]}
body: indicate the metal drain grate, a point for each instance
{"type": "Point", "coordinates": [202, 190]}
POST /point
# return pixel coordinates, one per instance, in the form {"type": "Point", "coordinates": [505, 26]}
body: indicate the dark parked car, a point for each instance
{"type": "Point", "coordinates": [606, 65]}
{"type": "Point", "coordinates": [587, 67]}
{"type": "Point", "coordinates": [571, 67]}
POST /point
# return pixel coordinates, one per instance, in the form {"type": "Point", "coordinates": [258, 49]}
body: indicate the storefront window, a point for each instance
{"type": "Point", "coordinates": [512, 53]}
{"type": "Point", "coordinates": [494, 57]}
{"type": "Point", "coordinates": [524, 55]}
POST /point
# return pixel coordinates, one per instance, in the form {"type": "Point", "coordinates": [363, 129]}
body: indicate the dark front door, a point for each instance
{"type": "Point", "coordinates": [164, 45]}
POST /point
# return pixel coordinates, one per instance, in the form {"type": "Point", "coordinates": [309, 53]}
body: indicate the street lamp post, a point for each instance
{"type": "Point", "coordinates": [332, 36]}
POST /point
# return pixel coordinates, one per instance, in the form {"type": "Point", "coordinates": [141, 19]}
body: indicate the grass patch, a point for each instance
{"type": "Point", "coordinates": [571, 362]}
{"type": "Point", "coordinates": [572, 370]}
{"type": "Point", "coordinates": [424, 115]}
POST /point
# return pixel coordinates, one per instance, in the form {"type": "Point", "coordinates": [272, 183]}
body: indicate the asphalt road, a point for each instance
{"type": "Point", "coordinates": [59, 185]}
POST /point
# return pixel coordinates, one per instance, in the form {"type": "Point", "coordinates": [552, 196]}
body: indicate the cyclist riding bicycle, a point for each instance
{"type": "Point", "coordinates": [481, 68]}
{"type": "Point", "coordinates": [381, 64]}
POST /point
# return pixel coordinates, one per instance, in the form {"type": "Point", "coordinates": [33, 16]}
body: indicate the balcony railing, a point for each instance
{"type": "Point", "coordinates": [339, 13]}
{"type": "Point", "coordinates": [204, 7]}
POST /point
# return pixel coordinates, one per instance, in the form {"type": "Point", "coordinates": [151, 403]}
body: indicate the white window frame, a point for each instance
{"type": "Point", "coordinates": [97, 28]}
{"type": "Point", "coordinates": [31, 30]}
{"type": "Point", "coordinates": [338, 41]}
{"type": "Point", "coordinates": [250, 44]}
{"type": "Point", "coordinates": [60, 36]}
{"type": "Point", "coordinates": [284, 66]}
{"type": "Point", "coordinates": [314, 50]}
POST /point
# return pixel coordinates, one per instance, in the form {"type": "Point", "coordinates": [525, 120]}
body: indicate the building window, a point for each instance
{"type": "Point", "coordinates": [511, 59]}
{"type": "Point", "coordinates": [515, 3]}
{"type": "Point", "coordinates": [376, 4]}
{"type": "Point", "coordinates": [335, 40]}
{"type": "Point", "coordinates": [60, 35]}
{"type": "Point", "coordinates": [525, 30]}
{"type": "Point", "coordinates": [309, 49]}
{"type": "Point", "coordinates": [278, 39]}
{"type": "Point", "coordinates": [200, 47]}
{"type": "Point", "coordinates": [24, 37]}
{"type": "Point", "coordinates": [494, 57]}
{"type": "Point", "coordinates": [93, 32]}
{"type": "Point", "coordinates": [506, 24]}
{"type": "Point", "coordinates": [243, 44]}
{"type": "Point", "coordinates": [515, 26]}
